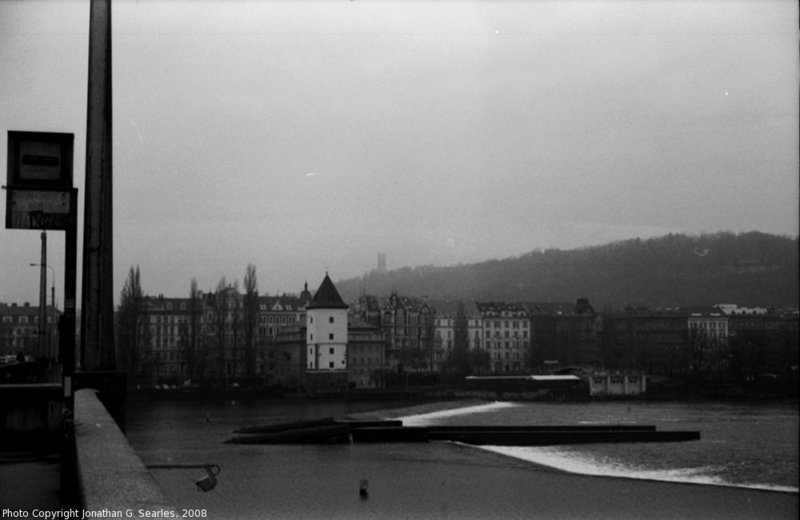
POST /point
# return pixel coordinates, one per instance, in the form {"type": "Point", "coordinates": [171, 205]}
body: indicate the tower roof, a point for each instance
{"type": "Point", "coordinates": [327, 297]}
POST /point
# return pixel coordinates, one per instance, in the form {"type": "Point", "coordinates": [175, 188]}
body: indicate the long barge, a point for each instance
{"type": "Point", "coordinates": [334, 431]}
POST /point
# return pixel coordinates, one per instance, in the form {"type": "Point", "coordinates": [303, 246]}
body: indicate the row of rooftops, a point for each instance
{"type": "Point", "coordinates": [473, 308]}
{"type": "Point", "coordinates": [330, 298]}
{"type": "Point", "coordinates": [25, 309]}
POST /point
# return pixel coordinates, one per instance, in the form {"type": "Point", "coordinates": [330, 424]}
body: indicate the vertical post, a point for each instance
{"type": "Point", "coordinates": [66, 334]}
{"type": "Point", "coordinates": [66, 338]}
{"type": "Point", "coordinates": [42, 297]}
{"type": "Point", "coordinates": [51, 324]}
{"type": "Point", "coordinates": [97, 331]}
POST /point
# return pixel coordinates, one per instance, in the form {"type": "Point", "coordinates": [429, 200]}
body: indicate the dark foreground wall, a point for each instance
{"type": "Point", "coordinates": [30, 414]}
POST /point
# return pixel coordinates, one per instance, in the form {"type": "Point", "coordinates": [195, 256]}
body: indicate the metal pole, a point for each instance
{"type": "Point", "coordinates": [51, 348]}
{"type": "Point", "coordinates": [97, 316]}
{"type": "Point", "coordinates": [42, 296]}
{"type": "Point", "coordinates": [51, 344]}
{"type": "Point", "coordinates": [66, 338]}
{"type": "Point", "coordinates": [67, 329]}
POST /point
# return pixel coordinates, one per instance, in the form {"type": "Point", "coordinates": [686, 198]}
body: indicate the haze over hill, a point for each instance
{"type": "Point", "coordinates": [749, 269]}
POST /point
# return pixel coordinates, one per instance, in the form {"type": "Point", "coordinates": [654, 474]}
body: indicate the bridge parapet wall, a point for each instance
{"type": "Point", "coordinates": [111, 477]}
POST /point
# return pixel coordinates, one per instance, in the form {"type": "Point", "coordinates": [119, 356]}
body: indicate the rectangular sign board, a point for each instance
{"type": "Point", "coordinates": [40, 160]}
{"type": "Point", "coordinates": [40, 209]}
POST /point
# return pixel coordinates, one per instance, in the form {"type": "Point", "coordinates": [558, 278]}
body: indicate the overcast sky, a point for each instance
{"type": "Point", "coordinates": [306, 136]}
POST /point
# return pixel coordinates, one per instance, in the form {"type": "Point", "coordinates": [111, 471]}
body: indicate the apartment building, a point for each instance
{"type": "Point", "coordinates": [366, 355]}
{"type": "Point", "coordinates": [756, 343]}
{"type": "Point", "coordinates": [407, 328]}
{"type": "Point", "coordinates": [647, 340]}
{"type": "Point", "coordinates": [176, 338]}
{"type": "Point", "coordinates": [506, 335]}
{"type": "Point", "coordinates": [564, 335]}
{"type": "Point", "coordinates": [19, 331]}
{"type": "Point", "coordinates": [455, 321]}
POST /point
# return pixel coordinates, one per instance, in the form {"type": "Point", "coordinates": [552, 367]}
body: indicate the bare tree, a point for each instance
{"type": "Point", "coordinates": [220, 328]}
{"type": "Point", "coordinates": [250, 321]}
{"type": "Point", "coordinates": [458, 360]}
{"type": "Point", "coordinates": [234, 329]}
{"type": "Point", "coordinates": [133, 342]}
{"type": "Point", "coordinates": [197, 346]}
{"type": "Point", "coordinates": [189, 332]}
{"type": "Point", "coordinates": [698, 348]}
{"type": "Point", "coordinates": [6, 335]}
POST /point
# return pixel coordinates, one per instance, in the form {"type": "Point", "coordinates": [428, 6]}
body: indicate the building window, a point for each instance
{"type": "Point", "coordinates": [330, 351]}
{"type": "Point", "coordinates": [330, 319]}
{"type": "Point", "coordinates": [330, 337]}
{"type": "Point", "coordinates": [330, 365]}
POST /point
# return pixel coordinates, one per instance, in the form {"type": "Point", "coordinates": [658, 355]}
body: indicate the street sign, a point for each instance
{"type": "Point", "coordinates": [39, 192]}
{"type": "Point", "coordinates": [40, 209]}
{"type": "Point", "coordinates": [40, 159]}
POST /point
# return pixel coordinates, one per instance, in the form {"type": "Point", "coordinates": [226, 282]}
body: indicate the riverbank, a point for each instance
{"type": "Point", "coordinates": [658, 389]}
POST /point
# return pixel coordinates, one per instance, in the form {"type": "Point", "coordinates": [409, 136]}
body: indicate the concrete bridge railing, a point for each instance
{"type": "Point", "coordinates": [111, 477]}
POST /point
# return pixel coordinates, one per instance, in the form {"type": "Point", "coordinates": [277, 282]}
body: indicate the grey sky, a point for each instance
{"type": "Point", "coordinates": [303, 136]}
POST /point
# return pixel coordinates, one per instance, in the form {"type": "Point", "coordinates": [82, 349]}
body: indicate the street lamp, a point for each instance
{"type": "Point", "coordinates": [44, 304]}
{"type": "Point", "coordinates": [204, 484]}
{"type": "Point", "coordinates": [52, 286]}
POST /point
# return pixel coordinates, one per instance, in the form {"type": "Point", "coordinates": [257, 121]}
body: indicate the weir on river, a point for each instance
{"type": "Point", "coordinates": [330, 430]}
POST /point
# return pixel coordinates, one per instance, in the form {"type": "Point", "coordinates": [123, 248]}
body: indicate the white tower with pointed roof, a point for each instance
{"type": "Point", "coordinates": [326, 329]}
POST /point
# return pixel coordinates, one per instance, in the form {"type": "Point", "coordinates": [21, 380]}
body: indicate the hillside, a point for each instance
{"type": "Point", "coordinates": [749, 269]}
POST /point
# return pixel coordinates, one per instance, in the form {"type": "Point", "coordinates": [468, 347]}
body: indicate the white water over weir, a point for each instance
{"type": "Point", "coordinates": [426, 419]}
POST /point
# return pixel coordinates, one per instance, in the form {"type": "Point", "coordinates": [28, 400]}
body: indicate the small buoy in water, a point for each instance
{"type": "Point", "coordinates": [362, 489]}
{"type": "Point", "coordinates": [208, 418]}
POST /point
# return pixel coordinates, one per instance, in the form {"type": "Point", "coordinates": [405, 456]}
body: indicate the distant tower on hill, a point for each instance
{"type": "Point", "coordinates": [381, 262]}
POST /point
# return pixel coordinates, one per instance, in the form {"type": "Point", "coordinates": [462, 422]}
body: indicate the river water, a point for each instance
{"type": "Point", "coordinates": [741, 446]}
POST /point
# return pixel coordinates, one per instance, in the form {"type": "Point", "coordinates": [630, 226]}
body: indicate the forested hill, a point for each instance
{"type": "Point", "coordinates": [749, 269]}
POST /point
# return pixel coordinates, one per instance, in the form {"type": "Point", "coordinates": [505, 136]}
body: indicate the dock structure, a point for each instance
{"type": "Point", "coordinates": [330, 430]}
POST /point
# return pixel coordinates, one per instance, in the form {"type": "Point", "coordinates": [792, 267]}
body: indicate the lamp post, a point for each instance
{"type": "Point", "coordinates": [52, 304]}
{"type": "Point", "coordinates": [206, 483]}
{"type": "Point", "coordinates": [52, 284]}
